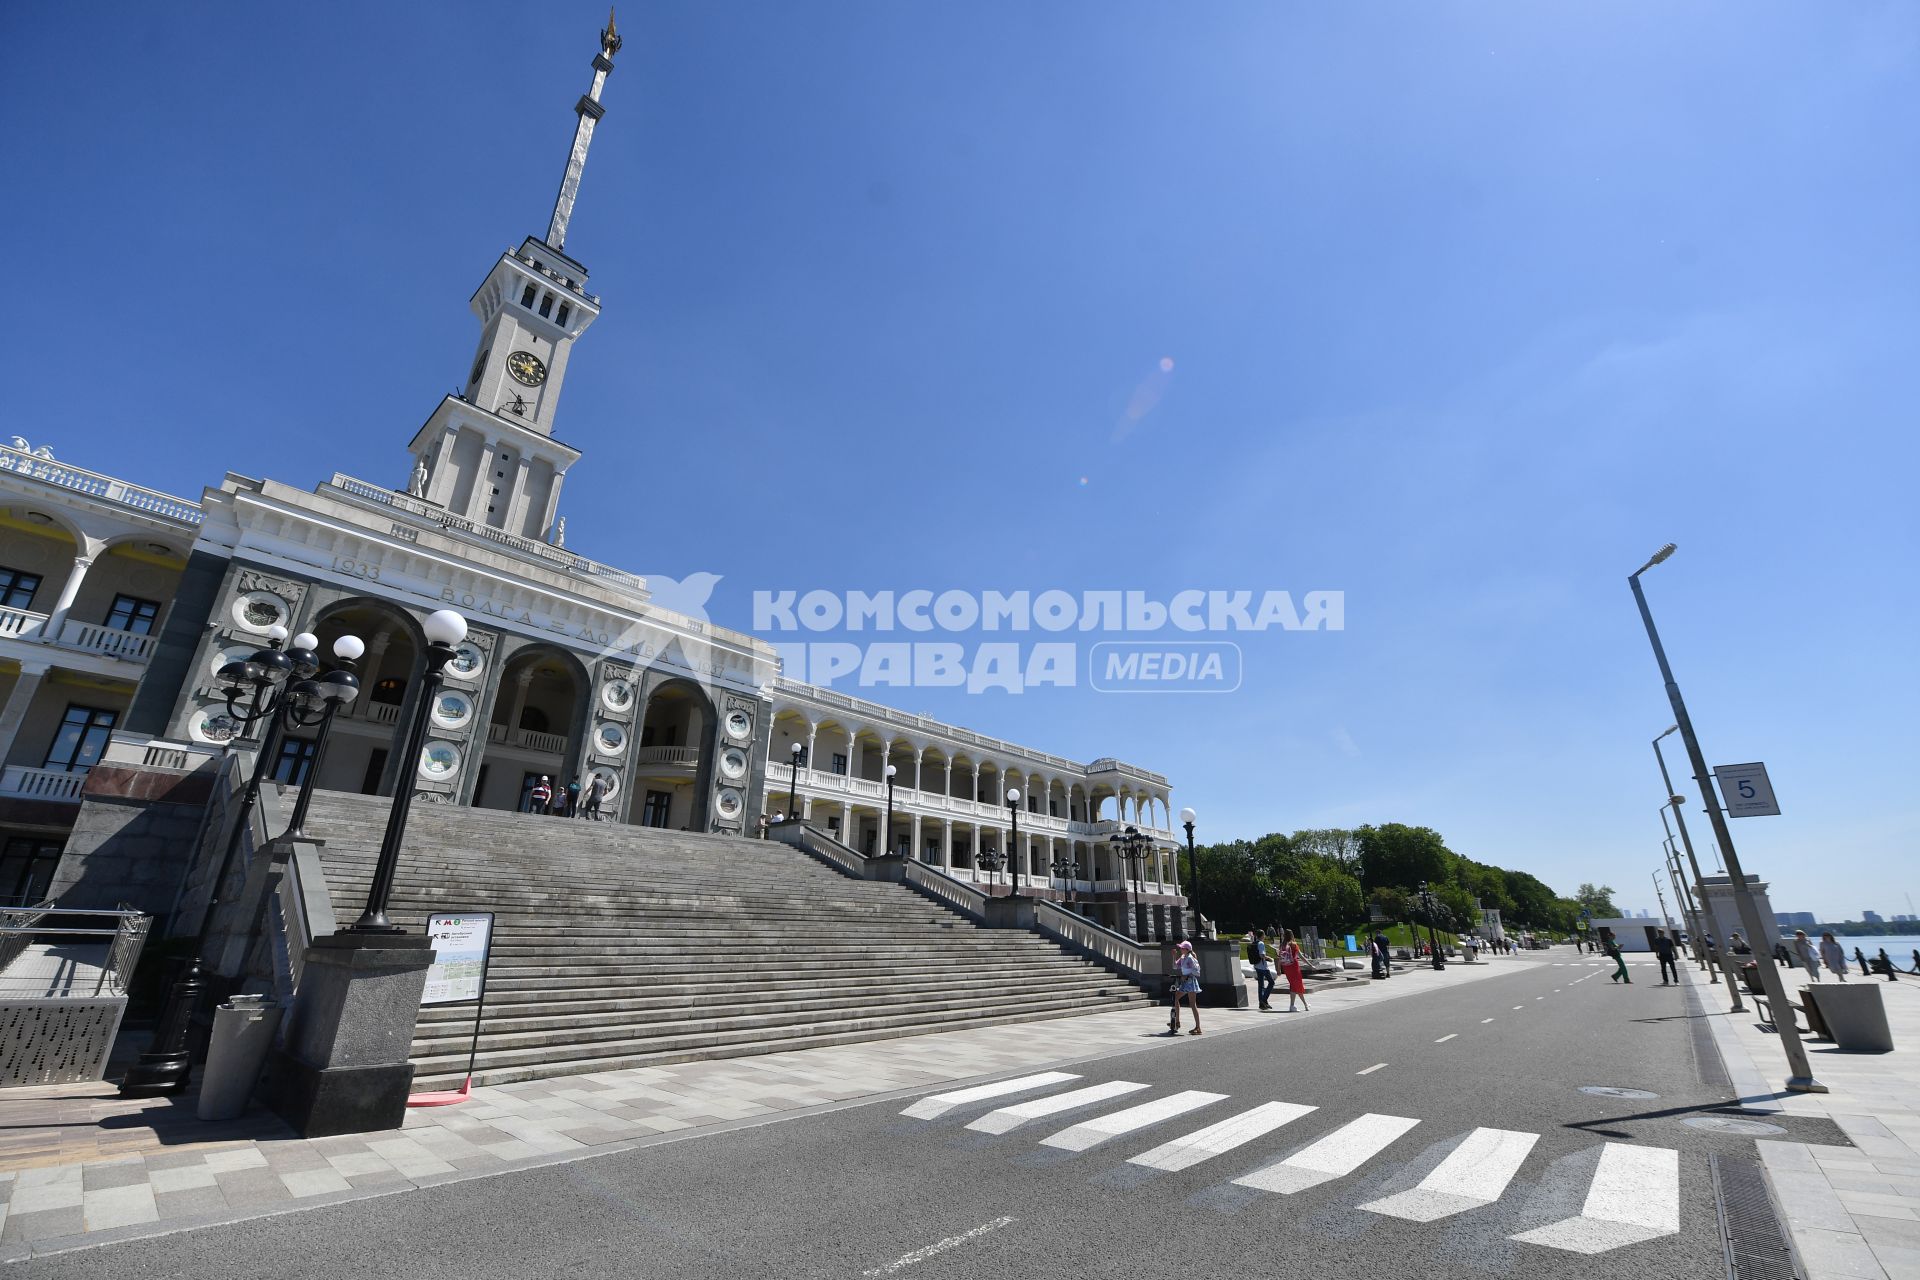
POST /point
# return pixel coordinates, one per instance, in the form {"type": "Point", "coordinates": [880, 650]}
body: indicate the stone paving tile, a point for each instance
{"type": "Point", "coordinates": [123, 1173]}
{"type": "Point", "coordinates": [253, 1188]}
{"type": "Point", "coordinates": [314, 1182]}
{"type": "Point", "coordinates": [188, 1201]}
{"type": "Point", "coordinates": [184, 1179]}
{"type": "Point", "coordinates": [43, 1225]}
{"type": "Point", "coordinates": [123, 1206]}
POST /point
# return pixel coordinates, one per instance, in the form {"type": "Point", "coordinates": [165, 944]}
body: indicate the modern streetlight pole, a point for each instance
{"type": "Point", "coordinates": [1187, 819]}
{"type": "Point", "coordinates": [798, 753]}
{"type": "Point", "coordinates": [444, 629]}
{"type": "Point", "coordinates": [1721, 955]}
{"type": "Point", "coordinates": [1800, 1070]}
{"type": "Point", "coordinates": [1666, 918]}
{"type": "Point", "coordinates": [1683, 900]}
{"type": "Point", "coordinates": [1015, 850]}
{"type": "Point", "coordinates": [1433, 934]}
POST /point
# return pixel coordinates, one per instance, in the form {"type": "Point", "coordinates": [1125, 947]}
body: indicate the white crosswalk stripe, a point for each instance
{"type": "Point", "coordinates": [1007, 1119]}
{"type": "Point", "coordinates": [1474, 1176]}
{"type": "Point", "coordinates": [1091, 1133]}
{"type": "Point", "coordinates": [1217, 1139]}
{"type": "Point", "coordinates": [937, 1105]}
{"type": "Point", "coordinates": [1634, 1196]}
{"type": "Point", "coordinates": [1334, 1156]}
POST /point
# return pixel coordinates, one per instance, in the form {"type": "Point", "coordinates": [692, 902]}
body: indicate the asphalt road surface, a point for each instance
{"type": "Point", "coordinates": [1442, 1134]}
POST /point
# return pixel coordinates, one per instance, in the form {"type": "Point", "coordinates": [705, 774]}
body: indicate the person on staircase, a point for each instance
{"type": "Point", "coordinates": [596, 792]}
{"type": "Point", "coordinates": [541, 796]}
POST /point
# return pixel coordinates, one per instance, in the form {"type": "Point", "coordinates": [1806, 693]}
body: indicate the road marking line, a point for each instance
{"type": "Point", "coordinates": [1475, 1175]}
{"type": "Point", "coordinates": [1216, 1139]}
{"type": "Point", "coordinates": [1517, 1008]}
{"type": "Point", "coordinates": [1485, 1021]}
{"type": "Point", "coordinates": [1370, 1070]}
{"type": "Point", "coordinates": [1634, 1196]}
{"type": "Point", "coordinates": [1334, 1156]}
{"type": "Point", "coordinates": [1539, 997]}
{"type": "Point", "coordinates": [1007, 1119]}
{"type": "Point", "coordinates": [1447, 1037]}
{"type": "Point", "coordinates": [1091, 1133]}
{"type": "Point", "coordinates": [940, 1103]}
{"type": "Point", "coordinates": [921, 1255]}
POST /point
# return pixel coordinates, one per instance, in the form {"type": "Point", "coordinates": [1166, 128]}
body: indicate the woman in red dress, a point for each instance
{"type": "Point", "coordinates": [1290, 963]}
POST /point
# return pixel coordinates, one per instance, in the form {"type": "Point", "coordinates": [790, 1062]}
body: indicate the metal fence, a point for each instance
{"type": "Point", "coordinates": [63, 990]}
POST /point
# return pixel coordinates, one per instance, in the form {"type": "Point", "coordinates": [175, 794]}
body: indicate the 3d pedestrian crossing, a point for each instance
{"type": "Point", "coordinates": [1633, 1194]}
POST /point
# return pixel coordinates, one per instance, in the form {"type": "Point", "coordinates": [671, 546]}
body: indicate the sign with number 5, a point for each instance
{"type": "Point", "coordinates": [1747, 791]}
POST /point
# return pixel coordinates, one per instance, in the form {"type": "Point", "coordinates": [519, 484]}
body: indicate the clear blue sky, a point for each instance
{"type": "Point", "coordinates": [1470, 306]}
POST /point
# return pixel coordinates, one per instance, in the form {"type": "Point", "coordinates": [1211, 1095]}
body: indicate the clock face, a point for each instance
{"type": "Point", "coordinates": [526, 368]}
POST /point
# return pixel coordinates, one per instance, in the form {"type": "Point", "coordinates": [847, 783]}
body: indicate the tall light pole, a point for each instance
{"type": "Point", "coordinates": [1433, 934]}
{"type": "Point", "coordinates": [332, 691]}
{"type": "Point", "coordinates": [444, 629]}
{"type": "Point", "coordinates": [886, 842]}
{"type": "Point", "coordinates": [797, 753]}
{"type": "Point", "coordinates": [1689, 914]}
{"type": "Point", "coordinates": [1665, 917]}
{"type": "Point", "coordinates": [1800, 1070]}
{"type": "Point", "coordinates": [1015, 850]}
{"type": "Point", "coordinates": [1187, 819]}
{"type": "Point", "coordinates": [1721, 955]}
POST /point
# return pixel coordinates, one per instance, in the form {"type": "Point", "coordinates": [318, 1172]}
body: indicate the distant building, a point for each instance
{"type": "Point", "coordinates": [1871, 917]}
{"type": "Point", "coordinates": [1795, 919]}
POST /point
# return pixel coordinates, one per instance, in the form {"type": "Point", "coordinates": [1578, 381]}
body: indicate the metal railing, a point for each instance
{"type": "Point", "coordinates": [21, 929]}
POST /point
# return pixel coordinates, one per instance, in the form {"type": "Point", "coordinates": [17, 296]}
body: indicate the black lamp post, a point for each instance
{"type": "Point", "coordinates": [331, 692]}
{"type": "Point", "coordinates": [1187, 820]}
{"type": "Point", "coordinates": [1015, 851]}
{"type": "Point", "coordinates": [891, 844]}
{"type": "Point", "coordinates": [989, 861]}
{"type": "Point", "coordinates": [260, 678]}
{"type": "Point", "coordinates": [1133, 847]}
{"type": "Point", "coordinates": [444, 629]}
{"type": "Point", "coordinates": [1307, 903]}
{"type": "Point", "coordinates": [1069, 869]}
{"type": "Point", "coordinates": [799, 753]}
{"type": "Point", "coordinates": [1433, 934]}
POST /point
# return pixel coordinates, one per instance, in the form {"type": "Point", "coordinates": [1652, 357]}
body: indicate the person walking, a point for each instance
{"type": "Point", "coordinates": [597, 791]}
{"type": "Point", "coordinates": [1262, 958]}
{"type": "Point", "coordinates": [1612, 946]}
{"type": "Point", "coordinates": [1186, 986]}
{"type": "Point", "coordinates": [1290, 965]}
{"type": "Point", "coordinates": [572, 801]}
{"type": "Point", "coordinates": [1804, 952]}
{"type": "Point", "coordinates": [1833, 955]}
{"type": "Point", "coordinates": [1669, 963]}
{"type": "Point", "coordinates": [541, 796]}
{"type": "Point", "coordinates": [1382, 958]}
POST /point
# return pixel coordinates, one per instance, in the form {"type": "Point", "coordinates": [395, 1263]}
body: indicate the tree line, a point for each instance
{"type": "Point", "coordinates": [1338, 879]}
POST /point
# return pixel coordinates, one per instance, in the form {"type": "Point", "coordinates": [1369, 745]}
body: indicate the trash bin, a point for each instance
{"type": "Point", "coordinates": [243, 1031]}
{"type": "Point", "coordinates": [1855, 1014]}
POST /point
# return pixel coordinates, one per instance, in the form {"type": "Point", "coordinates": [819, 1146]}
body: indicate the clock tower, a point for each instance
{"type": "Point", "coordinates": [488, 452]}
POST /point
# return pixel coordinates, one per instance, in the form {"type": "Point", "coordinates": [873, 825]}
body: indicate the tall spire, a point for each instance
{"type": "Point", "coordinates": [589, 110]}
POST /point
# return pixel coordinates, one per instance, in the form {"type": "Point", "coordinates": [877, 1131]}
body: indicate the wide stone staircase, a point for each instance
{"type": "Point", "coordinates": [618, 946]}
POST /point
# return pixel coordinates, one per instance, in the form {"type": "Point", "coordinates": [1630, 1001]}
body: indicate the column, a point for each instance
{"type": "Point", "coordinates": [15, 711]}
{"type": "Point", "coordinates": [917, 753]}
{"type": "Point", "coordinates": [513, 516]}
{"type": "Point", "coordinates": [521, 680]}
{"type": "Point", "coordinates": [853, 753]}
{"type": "Point", "coordinates": [846, 824]}
{"type": "Point", "coordinates": [914, 850]}
{"type": "Point", "coordinates": [946, 840]}
{"type": "Point", "coordinates": [946, 785]}
{"type": "Point", "coordinates": [553, 502]}
{"type": "Point", "coordinates": [370, 668]}
{"type": "Point", "coordinates": [441, 481]}
{"type": "Point", "coordinates": [68, 590]}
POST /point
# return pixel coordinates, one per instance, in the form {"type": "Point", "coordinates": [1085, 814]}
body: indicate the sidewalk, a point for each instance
{"type": "Point", "coordinates": [1851, 1212]}
{"type": "Point", "coordinates": [80, 1166]}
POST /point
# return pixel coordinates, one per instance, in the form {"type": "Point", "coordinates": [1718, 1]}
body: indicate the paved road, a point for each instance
{"type": "Point", "coordinates": [1416, 1136]}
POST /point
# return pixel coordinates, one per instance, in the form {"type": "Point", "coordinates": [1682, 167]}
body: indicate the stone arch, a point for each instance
{"type": "Point", "coordinates": [536, 725]}
{"type": "Point", "coordinates": [673, 759]}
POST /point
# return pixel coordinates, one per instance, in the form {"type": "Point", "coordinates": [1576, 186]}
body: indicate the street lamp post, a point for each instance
{"type": "Point", "coordinates": [797, 753]}
{"type": "Point", "coordinates": [1015, 851]}
{"type": "Point", "coordinates": [444, 629]}
{"type": "Point", "coordinates": [1691, 916]}
{"type": "Point", "coordinates": [990, 861]}
{"type": "Point", "coordinates": [1674, 802]}
{"type": "Point", "coordinates": [1187, 819]}
{"type": "Point", "coordinates": [1800, 1069]}
{"type": "Point", "coordinates": [886, 844]}
{"type": "Point", "coordinates": [1661, 894]}
{"type": "Point", "coordinates": [332, 691]}
{"type": "Point", "coordinates": [1133, 847]}
{"type": "Point", "coordinates": [1067, 868]}
{"type": "Point", "coordinates": [261, 678]}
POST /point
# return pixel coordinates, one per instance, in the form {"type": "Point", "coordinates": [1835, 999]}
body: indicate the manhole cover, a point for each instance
{"type": "Point", "coordinates": [1614, 1091]}
{"type": "Point", "coordinates": [1727, 1124]}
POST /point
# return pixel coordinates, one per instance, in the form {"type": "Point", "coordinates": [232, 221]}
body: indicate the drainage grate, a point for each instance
{"type": "Point", "coordinates": [1756, 1246]}
{"type": "Point", "coordinates": [1708, 1067]}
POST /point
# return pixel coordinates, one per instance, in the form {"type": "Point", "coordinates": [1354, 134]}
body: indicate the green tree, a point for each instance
{"type": "Point", "coordinates": [1599, 901]}
{"type": "Point", "coordinates": [1396, 854]}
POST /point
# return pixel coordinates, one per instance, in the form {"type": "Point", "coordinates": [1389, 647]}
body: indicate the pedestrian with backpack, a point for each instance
{"type": "Point", "coordinates": [1262, 958]}
{"type": "Point", "coordinates": [1613, 953]}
